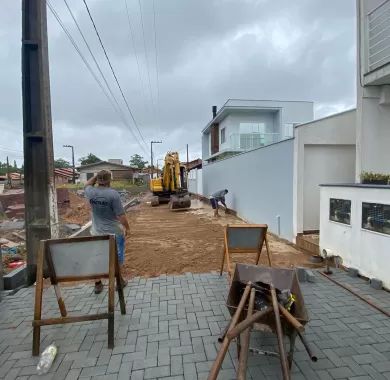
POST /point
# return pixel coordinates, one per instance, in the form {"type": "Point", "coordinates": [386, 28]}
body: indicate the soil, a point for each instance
{"type": "Point", "coordinates": [77, 212]}
{"type": "Point", "coordinates": [166, 242]}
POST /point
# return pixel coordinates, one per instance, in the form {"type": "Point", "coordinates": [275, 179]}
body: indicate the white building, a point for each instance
{"type": "Point", "coordinates": [355, 217]}
{"type": "Point", "coordinates": [272, 156]}
{"type": "Point", "coordinates": [243, 125]}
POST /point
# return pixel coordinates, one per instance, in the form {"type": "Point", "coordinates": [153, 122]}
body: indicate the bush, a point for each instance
{"type": "Point", "coordinates": [377, 178]}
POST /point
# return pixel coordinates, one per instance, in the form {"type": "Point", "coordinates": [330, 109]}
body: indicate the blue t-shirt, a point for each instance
{"type": "Point", "coordinates": [106, 207]}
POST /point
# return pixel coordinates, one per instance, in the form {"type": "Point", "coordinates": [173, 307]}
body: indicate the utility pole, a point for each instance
{"type": "Point", "coordinates": [41, 216]}
{"type": "Point", "coordinates": [74, 170]}
{"type": "Point", "coordinates": [187, 158]}
{"type": "Point", "coordinates": [151, 156]}
{"type": "Point", "coordinates": [9, 181]}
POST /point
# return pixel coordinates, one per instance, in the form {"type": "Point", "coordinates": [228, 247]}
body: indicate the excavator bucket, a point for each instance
{"type": "Point", "coordinates": [180, 202]}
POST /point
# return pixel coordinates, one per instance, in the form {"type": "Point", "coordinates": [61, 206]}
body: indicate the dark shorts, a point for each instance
{"type": "Point", "coordinates": [214, 203]}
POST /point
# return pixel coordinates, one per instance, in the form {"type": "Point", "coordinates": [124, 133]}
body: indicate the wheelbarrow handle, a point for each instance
{"type": "Point", "coordinates": [279, 334]}
{"type": "Point", "coordinates": [248, 322]}
{"type": "Point", "coordinates": [225, 344]}
{"type": "Point", "coordinates": [291, 319]}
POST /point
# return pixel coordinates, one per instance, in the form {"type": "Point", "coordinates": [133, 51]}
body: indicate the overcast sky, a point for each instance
{"type": "Point", "coordinates": [207, 51]}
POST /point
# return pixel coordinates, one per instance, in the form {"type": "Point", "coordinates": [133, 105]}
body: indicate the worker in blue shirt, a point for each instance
{"type": "Point", "coordinates": [215, 198]}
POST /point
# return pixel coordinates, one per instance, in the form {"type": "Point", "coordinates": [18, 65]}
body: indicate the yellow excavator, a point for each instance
{"type": "Point", "coordinates": [171, 187]}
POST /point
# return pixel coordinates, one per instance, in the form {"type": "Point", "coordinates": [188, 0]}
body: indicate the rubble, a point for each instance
{"type": "Point", "coordinates": [15, 224]}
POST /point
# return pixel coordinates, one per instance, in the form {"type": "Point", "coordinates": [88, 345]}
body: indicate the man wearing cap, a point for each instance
{"type": "Point", "coordinates": [218, 196]}
{"type": "Point", "coordinates": [108, 215]}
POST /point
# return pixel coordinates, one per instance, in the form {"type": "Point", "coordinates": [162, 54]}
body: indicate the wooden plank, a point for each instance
{"type": "Point", "coordinates": [38, 300]}
{"type": "Point", "coordinates": [268, 251]}
{"type": "Point", "coordinates": [72, 319]}
{"type": "Point", "coordinates": [111, 291]}
{"type": "Point", "coordinates": [243, 357]}
{"type": "Point", "coordinates": [80, 278]}
{"type": "Point", "coordinates": [118, 277]}
{"type": "Point", "coordinates": [77, 239]}
{"type": "Point", "coordinates": [214, 371]}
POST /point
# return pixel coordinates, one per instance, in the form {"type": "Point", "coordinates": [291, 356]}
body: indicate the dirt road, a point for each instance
{"type": "Point", "coordinates": [162, 241]}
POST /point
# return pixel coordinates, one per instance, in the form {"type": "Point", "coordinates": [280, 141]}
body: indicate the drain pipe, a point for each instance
{"type": "Point", "coordinates": [366, 300]}
{"type": "Point", "coordinates": [327, 253]}
{"type": "Point", "coordinates": [278, 223]}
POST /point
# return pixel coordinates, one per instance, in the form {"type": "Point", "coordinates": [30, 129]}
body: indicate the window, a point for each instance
{"type": "Point", "coordinates": [376, 217]}
{"type": "Point", "coordinates": [246, 128]}
{"type": "Point", "coordinates": [223, 135]}
{"type": "Point", "coordinates": [340, 210]}
{"type": "Point", "coordinates": [89, 175]}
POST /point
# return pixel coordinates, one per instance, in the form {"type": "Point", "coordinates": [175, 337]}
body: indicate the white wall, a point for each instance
{"type": "Point", "coordinates": [362, 249]}
{"type": "Point", "coordinates": [330, 142]}
{"type": "Point", "coordinates": [324, 164]}
{"type": "Point", "coordinates": [373, 118]}
{"type": "Point", "coordinates": [292, 111]}
{"type": "Point", "coordinates": [260, 185]}
{"type": "Point", "coordinates": [195, 181]}
{"type": "Point", "coordinates": [373, 132]}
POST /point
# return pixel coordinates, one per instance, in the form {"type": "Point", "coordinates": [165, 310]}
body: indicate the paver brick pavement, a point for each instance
{"type": "Point", "coordinates": [171, 331]}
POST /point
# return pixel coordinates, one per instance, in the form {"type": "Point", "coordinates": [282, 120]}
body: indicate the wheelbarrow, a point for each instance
{"type": "Point", "coordinates": [267, 286]}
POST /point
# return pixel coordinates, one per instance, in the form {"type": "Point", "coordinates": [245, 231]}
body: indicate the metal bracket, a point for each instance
{"type": "Point", "coordinates": [34, 136]}
{"type": "Point", "coordinates": [262, 352]}
{"type": "Point", "coordinates": [31, 43]}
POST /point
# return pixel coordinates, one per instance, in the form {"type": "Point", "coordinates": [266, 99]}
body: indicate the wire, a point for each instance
{"type": "Point", "coordinates": [10, 150]}
{"type": "Point", "coordinates": [90, 51]}
{"type": "Point", "coordinates": [113, 71]}
{"type": "Point", "coordinates": [119, 111]}
{"type": "Point", "coordinates": [132, 34]}
{"type": "Point", "coordinates": [146, 51]}
{"type": "Point", "coordinates": [157, 75]}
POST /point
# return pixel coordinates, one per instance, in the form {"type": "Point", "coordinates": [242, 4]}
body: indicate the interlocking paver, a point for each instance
{"type": "Point", "coordinates": [171, 330]}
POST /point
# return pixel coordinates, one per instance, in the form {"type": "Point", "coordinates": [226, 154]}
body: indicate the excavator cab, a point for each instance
{"type": "Point", "coordinates": [171, 187]}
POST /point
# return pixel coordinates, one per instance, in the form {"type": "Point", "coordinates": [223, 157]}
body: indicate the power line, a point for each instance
{"type": "Point", "coordinates": [119, 110]}
{"type": "Point", "coordinates": [146, 51]}
{"type": "Point", "coordinates": [157, 76]}
{"type": "Point", "coordinates": [132, 34]}
{"type": "Point", "coordinates": [10, 149]}
{"type": "Point", "coordinates": [113, 71]}
{"type": "Point", "coordinates": [92, 55]}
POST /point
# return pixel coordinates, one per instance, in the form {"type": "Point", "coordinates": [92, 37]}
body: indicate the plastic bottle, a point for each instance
{"type": "Point", "coordinates": [46, 359]}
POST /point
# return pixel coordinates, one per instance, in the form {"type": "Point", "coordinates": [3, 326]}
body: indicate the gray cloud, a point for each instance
{"type": "Point", "coordinates": [208, 51]}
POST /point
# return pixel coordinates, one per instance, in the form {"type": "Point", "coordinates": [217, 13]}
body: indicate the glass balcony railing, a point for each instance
{"type": "Point", "coordinates": [249, 141]}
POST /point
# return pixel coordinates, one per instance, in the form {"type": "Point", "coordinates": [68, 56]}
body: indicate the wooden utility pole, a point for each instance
{"type": "Point", "coordinates": [41, 215]}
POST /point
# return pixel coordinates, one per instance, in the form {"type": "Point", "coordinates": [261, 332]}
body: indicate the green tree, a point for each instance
{"type": "Point", "coordinates": [15, 165]}
{"type": "Point", "coordinates": [137, 161]}
{"type": "Point", "coordinates": [90, 159]}
{"type": "Point", "coordinates": [61, 163]}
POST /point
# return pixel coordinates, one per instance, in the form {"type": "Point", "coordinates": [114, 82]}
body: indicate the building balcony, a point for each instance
{"type": "Point", "coordinates": [376, 46]}
{"type": "Point", "coordinates": [242, 142]}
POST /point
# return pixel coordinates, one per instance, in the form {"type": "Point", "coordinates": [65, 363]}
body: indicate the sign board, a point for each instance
{"type": "Point", "coordinates": [77, 259]}
{"type": "Point", "coordinates": [244, 238]}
